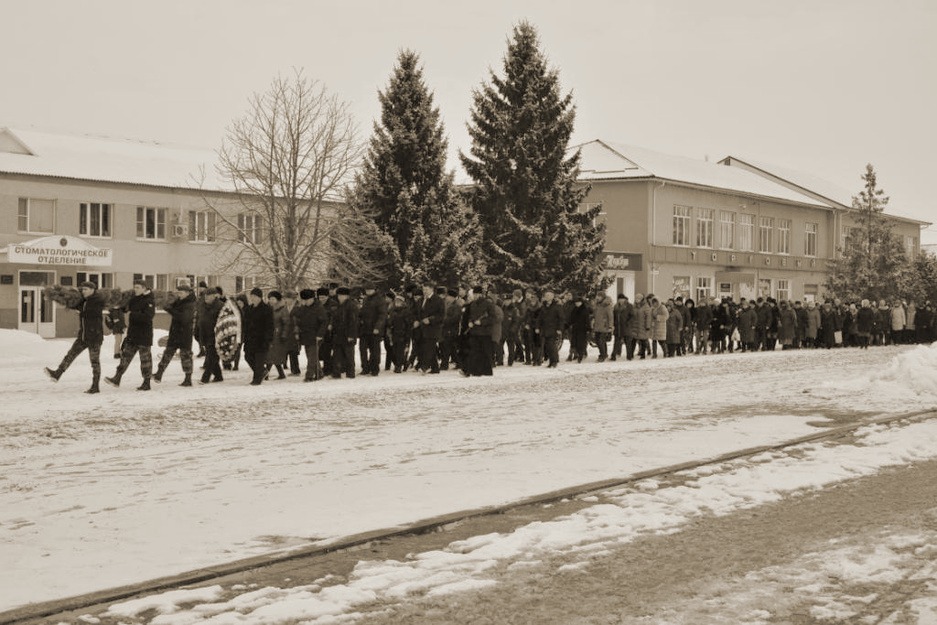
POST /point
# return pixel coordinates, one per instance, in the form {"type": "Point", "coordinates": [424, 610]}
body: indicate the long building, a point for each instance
{"type": "Point", "coordinates": [679, 226]}
{"type": "Point", "coordinates": [111, 210]}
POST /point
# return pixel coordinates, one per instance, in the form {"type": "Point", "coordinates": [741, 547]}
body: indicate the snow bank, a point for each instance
{"type": "Point", "coordinates": [910, 374]}
{"type": "Point", "coordinates": [627, 514]}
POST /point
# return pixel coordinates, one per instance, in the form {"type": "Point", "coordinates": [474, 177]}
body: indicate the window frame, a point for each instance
{"type": "Point", "coordinates": [727, 224]}
{"type": "Point", "coordinates": [705, 225]}
{"type": "Point", "coordinates": [26, 202]}
{"type": "Point", "coordinates": [159, 219]}
{"type": "Point", "coordinates": [784, 236]}
{"type": "Point", "coordinates": [207, 234]}
{"type": "Point", "coordinates": [701, 289]}
{"type": "Point", "coordinates": [765, 234]}
{"type": "Point", "coordinates": [681, 225]}
{"type": "Point", "coordinates": [746, 229]}
{"type": "Point", "coordinates": [105, 218]}
{"type": "Point", "coordinates": [811, 239]}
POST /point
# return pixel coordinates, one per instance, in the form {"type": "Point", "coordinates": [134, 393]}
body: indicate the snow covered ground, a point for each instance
{"type": "Point", "coordinates": [105, 490]}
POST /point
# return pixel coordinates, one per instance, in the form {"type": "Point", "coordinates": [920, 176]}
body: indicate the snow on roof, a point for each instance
{"type": "Point", "coordinates": [86, 157]}
{"type": "Point", "coordinates": [809, 183]}
{"type": "Point", "coordinates": [605, 160]}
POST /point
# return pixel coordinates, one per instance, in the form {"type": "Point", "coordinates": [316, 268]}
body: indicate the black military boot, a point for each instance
{"type": "Point", "coordinates": [54, 374]}
{"type": "Point", "coordinates": [114, 381]}
{"type": "Point", "coordinates": [145, 386]}
{"type": "Point", "coordinates": [187, 381]}
{"type": "Point", "coordinates": [94, 387]}
{"type": "Point", "coordinates": [158, 376]}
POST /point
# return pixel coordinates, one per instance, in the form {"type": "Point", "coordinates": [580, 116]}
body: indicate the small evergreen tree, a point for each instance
{"type": "Point", "coordinates": [404, 183]}
{"type": "Point", "coordinates": [874, 256]}
{"type": "Point", "coordinates": [525, 190]}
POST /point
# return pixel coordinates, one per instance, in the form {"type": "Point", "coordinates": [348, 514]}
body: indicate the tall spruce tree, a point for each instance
{"type": "Point", "coordinates": [404, 182]}
{"type": "Point", "coordinates": [873, 256]}
{"type": "Point", "coordinates": [525, 190]}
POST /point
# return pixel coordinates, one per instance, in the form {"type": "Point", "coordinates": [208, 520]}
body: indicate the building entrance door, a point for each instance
{"type": "Point", "coordinates": [36, 312]}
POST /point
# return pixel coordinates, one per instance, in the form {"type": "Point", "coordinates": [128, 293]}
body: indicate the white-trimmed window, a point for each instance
{"type": "Point", "coordinates": [810, 239]}
{"type": "Point", "coordinates": [94, 219]}
{"type": "Point", "coordinates": [910, 246]}
{"type": "Point", "coordinates": [746, 232]}
{"type": "Point", "coordinates": [151, 223]}
{"type": "Point", "coordinates": [156, 282]}
{"type": "Point", "coordinates": [249, 228]}
{"type": "Point", "coordinates": [202, 226]}
{"type": "Point", "coordinates": [765, 231]}
{"type": "Point", "coordinates": [784, 290]}
{"type": "Point", "coordinates": [784, 236]}
{"type": "Point", "coordinates": [704, 289]}
{"type": "Point", "coordinates": [726, 230]}
{"type": "Point", "coordinates": [704, 227]}
{"type": "Point", "coordinates": [681, 225]}
{"type": "Point", "coordinates": [36, 215]}
{"type": "Point", "coordinates": [103, 280]}
{"type": "Point", "coordinates": [245, 283]}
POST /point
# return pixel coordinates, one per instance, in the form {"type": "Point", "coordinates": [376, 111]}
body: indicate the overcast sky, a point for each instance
{"type": "Point", "coordinates": [821, 86]}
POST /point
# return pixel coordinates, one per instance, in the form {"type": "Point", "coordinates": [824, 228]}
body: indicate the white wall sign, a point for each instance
{"type": "Point", "coordinates": [59, 250]}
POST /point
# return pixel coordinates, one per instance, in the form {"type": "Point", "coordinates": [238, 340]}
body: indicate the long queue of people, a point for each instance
{"type": "Point", "coordinates": [431, 329]}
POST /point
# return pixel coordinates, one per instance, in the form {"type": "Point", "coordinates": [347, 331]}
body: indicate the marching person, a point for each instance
{"type": "Point", "coordinates": [181, 330]}
{"type": "Point", "coordinates": [208, 318]}
{"type": "Point", "coordinates": [282, 334]}
{"type": "Point", "coordinates": [292, 346]}
{"type": "Point", "coordinates": [399, 329]}
{"type": "Point", "coordinates": [344, 334]}
{"type": "Point", "coordinates": [480, 317]}
{"type": "Point", "coordinates": [258, 334]}
{"type": "Point", "coordinates": [372, 317]}
{"type": "Point", "coordinates": [90, 334]}
{"type": "Point", "coordinates": [550, 327]}
{"type": "Point", "coordinates": [310, 320]}
{"type": "Point", "coordinates": [428, 324]}
{"type": "Point", "coordinates": [141, 308]}
{"type": "Point", "coordinates": [115, 323]}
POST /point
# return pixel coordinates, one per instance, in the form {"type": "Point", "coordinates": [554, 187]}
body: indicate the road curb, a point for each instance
{"type": "Point", "coordinates": [36, 611]}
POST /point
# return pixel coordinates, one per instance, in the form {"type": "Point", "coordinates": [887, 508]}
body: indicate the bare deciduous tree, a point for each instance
{"type": "Point", "coordinates": [289, 161]}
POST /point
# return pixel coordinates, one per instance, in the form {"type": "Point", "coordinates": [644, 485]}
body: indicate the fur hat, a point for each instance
{"type": "Point", "coordinates": [87, 284]}
{"type": "Point", "coordinates": [257, 292]}
{"type": "Point", "coordinates": [322, 290]}
{"type": "Point", "coordinates": [184, 287]}
{"type": "Point", "coordinates": [440, 290]}
{"type": "Point", "coordinates": [343, 290]}
{"type": "Point", "coordinates": [453, 292]}
{"type": "Point", "coordinates": [307, 294]}
{"type": "Point", "coordinates": [275, 295]}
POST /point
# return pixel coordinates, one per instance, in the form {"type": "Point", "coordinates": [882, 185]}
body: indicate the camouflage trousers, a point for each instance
{"type": "Point", "coordinates": [94, 352]}
{"type": "Point", "coordinates": [185, 354]}
{"type": "Point", "coordinates": [128, 350]}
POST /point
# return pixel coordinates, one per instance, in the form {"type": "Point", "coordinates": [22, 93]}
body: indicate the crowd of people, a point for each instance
{"type": "Point", "coordinates": [431, 329]}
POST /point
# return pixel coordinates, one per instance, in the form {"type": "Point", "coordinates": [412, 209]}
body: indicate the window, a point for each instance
{"type": "Point", "coordinates": [784, 236]}
{"type": "Point", "coordinates": [704, 289]}
{"type": "Point", "coordinates": [599, 217]}
{"type": "Point", "coordinates": [103, 280]}
{"type": "Point", "coordinates": [202, 226]}
{"type": "Point", "coordinates": [746, 232]}
{"type": "Point", "coordinates": [726, 230]}
{"type": "Point", "coordinates": [151, 223]}
{"type": "Point", "coordinates": [156, 282]}
{"type": "Point", "coordinates": [910, 246]}
{"type": "Point", "coordinates": [765, 230]}
{"type": "Point", "coordinates": [36, 215]}
{"type": "Point", "coordinates": [704, 227]}
{"type": "Point", "coordinates": [249, 228]}
{"type": "Point", "coordinates": [244, 283]}
{"type": "Point", "coordinates": [681, 286]}
{"type": "Point", "coordinates": [784, 290]}
{"type": "Point", "coordinates": [810, 239]}
{"type": "Point", "coordinates": [681, 225]}
{"type": "Point", "coordinates": [94, 219]}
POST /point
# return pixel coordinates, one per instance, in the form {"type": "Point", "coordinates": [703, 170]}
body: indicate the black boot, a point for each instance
{"type": "Point", "coordinates": [145, 386]}
{"type": "Point", "coordinates": [94, 387]}
{"type": "Point", "coordinates": [54, 374]}
{"type": "Point", "coordinates": [187, 381]}
{"type": "Point", "coordinates": [158, 376]}
{"type": "Point", "coordinates": [114, 381]}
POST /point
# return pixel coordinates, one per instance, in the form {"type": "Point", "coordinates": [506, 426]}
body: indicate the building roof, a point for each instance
{"type": "Point", "coordinates": [810, 184]}
{"type": "Point", "coordinates": [107, 159]}
{"type": "Point", "coordinates": [606, 160]}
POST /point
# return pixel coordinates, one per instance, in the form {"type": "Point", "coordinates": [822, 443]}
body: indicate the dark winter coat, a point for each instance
{"type": "Point", "coordinates": [345, 321]}
{"type": "Point", "coordinates": [373, 315]}
{"type": "Point", "coordinates": [451, 319]}
{"type": "Point", "coordinates": [310, 323]}
{"type": "Point", "coordinates": [747, 321]}
{"type": "Point", "coordinates": [704, 317]}
{"type": "Point", "coordinates": [258, 326]}
{"type": "Point", "coordinates": [496, 327]}
{"type": "Point", "coordinates": [115, 321]}
{"type": "Point", "coordinates": [282, 335]}
{"type": "Point", "coordinates": [802, 321]}
{"type": "Point", "coordinates": [787, 327]}
{"type": "Point", "coordinates": [865, 319]}
{"type": "Point", "coordinates": [625, 320]}
{"type": "Point", "coordinates": [141, 309]}
{"type": "Point", "coordinates": [580, 318]}
{"type": "Point", "coordinates": [431, 313]}
{"type": "Point", "coordinates": [182, 326]}
{"type": "Point", "coordinates": [400, 324]}
{"type": "Point", "coordinates": [674, 326]}
{"type": "Point", "coordinates": [91, 319]}
{"type": "Point", "coordinates": [481, 316]}
{"type": "Point", "coordinates": [509, 322]}
{"type": "Point", "coordinates": [207, 319]}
